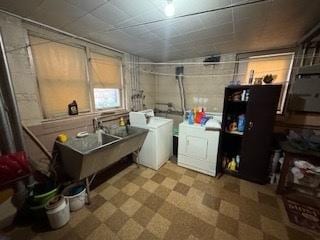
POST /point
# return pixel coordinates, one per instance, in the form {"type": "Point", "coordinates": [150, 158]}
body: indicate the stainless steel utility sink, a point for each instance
{"type": "Point", "coordinates": [106, 139]}
{"type": "Point", "coordinates": [82, 157]}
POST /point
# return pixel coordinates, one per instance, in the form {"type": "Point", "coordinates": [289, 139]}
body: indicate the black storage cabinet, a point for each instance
{"type": "Point", "coordinates": [253, 145]}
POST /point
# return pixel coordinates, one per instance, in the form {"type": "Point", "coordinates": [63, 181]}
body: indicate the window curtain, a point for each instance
{"type": "Point", "coordinates": [61, 74]}
{"type": "Point", "coordinates": [105, 71]}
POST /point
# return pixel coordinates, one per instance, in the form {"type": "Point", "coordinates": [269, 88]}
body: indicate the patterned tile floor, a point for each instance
{"type": "Point", "coordinates": [175, 203]}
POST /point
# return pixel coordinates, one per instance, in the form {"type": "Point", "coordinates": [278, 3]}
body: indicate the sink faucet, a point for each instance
{"type": "Point", "coordinates": [97, 124]}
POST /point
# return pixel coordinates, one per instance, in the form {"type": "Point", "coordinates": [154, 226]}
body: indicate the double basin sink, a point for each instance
{"type": "Point", "coordinates": [82, 157]}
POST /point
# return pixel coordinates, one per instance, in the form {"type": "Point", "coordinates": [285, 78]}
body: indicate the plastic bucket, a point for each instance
{"type": "Point", "coordinates": [58, 211]}
{"type": "Point", "coordinates": [42, 196]}
{"type": "Point", "coordinates": [76, 196]}
{"type": "Point", "coordinates": [7, 209]}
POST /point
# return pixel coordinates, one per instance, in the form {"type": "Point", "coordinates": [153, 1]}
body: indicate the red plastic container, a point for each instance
{"type": "Point", "coordinates": [13, 166]}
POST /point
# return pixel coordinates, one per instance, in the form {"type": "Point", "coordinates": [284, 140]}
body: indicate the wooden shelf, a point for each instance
{"type": "Point", "coordinates": [255, 159]}
{"type": "Point", "coordinates": [230, 172]}
{"type": "Point", "coordinates": [240, 101]}
{"type": "Point", "coordinates": [235, 133]}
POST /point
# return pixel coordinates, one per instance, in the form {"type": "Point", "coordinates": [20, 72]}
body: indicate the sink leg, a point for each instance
{"type": "Point", "coordinates": [136, 153]}
{"type": "Point", "coordinates": [88, 189]}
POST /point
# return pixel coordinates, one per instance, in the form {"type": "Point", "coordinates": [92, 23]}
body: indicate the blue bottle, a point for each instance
{"type": "Point", "coordinates": [191, 118]}
{"type": "Point", "coordinates": [241, 123]}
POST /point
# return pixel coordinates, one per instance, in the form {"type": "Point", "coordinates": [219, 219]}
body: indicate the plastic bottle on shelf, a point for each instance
{"type": "Point", "coordinates": [122, 122]}
{"type": "Point", "coordinates": [247, 95]}
{"type": "Point", "coordinates": [241, 122]}
{"type": "Point", "coordinates": [232, 165]}
{"type": "Point", "coordinates": [199, 116]}
{"type": "Point", "coordinates": [191, 118]}
{"type": "Point", "coordinates": [243, 95]}
{"type": "Point", "coordinates": [238, 161]}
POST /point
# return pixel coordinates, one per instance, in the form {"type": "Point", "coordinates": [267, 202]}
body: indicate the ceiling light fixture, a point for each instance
{"type": "Point", "coordinates": [169, 9]}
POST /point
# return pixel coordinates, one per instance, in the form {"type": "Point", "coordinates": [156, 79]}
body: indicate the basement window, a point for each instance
{"type": "Point", "coordinates": [279, 65]}
{"type": "Point", "coordinates": [64, 74]}
{"type": "Point", "coordinates": [105, 98]}
{"type": "Point", "coordinates": [106, 81]}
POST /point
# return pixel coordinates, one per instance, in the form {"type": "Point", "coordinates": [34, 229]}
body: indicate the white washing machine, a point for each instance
{"type": "Point", "coordinates": [157, 147]}
{"type": "Point", "coordinates": [198, 145]}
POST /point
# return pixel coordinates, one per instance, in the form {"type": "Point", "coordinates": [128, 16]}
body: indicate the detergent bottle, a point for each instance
{"type": "Point", "coordinates": [191, 118]}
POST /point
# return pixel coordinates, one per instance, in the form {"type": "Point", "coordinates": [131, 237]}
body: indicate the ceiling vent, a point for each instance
{"type": "Point", "coordinates": [212, 59]}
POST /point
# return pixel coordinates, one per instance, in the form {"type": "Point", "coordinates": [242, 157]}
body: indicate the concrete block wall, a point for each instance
{"type": "Point", "coordinates": [200, 81]}
{"type": "Point", "coordinates": [148, 84]}
{"type": "Point", "coordinates": [15, 39]}
{"type": "Point", "coordinates": [146, 80]}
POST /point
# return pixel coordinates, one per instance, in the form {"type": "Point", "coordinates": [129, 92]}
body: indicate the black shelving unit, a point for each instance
{"type": "Point", "coordinates": [253, 144]}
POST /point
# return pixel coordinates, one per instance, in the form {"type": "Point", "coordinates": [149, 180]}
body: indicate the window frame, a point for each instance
{"type": "Point", "coordinates": [270, 53]}
{"type": "Point", "coordinates": [121, 89]}
{"type": "Point", "coordinates": [88, 50]}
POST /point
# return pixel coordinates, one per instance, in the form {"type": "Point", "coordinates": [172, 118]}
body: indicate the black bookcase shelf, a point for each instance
{"type": "Point", "coordinates": [253, 145]}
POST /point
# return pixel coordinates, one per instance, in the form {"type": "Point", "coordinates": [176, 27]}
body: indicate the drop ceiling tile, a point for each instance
{"type": "Point", "coordinates": [183, 7]}
{"type": "Point", "coordinates": [86, 5]}
{"type": "Point", "coordinates": [87, 25]}
{"type": "Point", "coordinates": [57, 13]}
{"type": "Point", "coordinates": [21, 7]}
{"type": "Point", "coordinates": [111, 14]}
{"type": "Point", "coordinates": [295, 17]}
{"type": "Point", "coordinates": [187, 24]}
{"type": "Point", "coordinates": [248, 26]}
{"type": "Point", "coordinates": [207, 52]}
{"type": "Point", "coordinates": [215, 40]}
{"type": "Point", "coordinates": [137, 31]}
{"type": "Point", "coordinates": [211, 32]}
{"type": "Point", "coordinates": [216, 18]}
{"type": "Point", "coordinates": [112, 38]}
{"type": "Point", "coordinates": [134, 8]}
{"type": "Point", "coordinates": [184, 45]}
{"type": "Point", "coordinates": [254, 11]}
{"type": "Point", "coordinates": [164, 30]}
{"type": "Point", "coordinates": [149, 16]}
{"type": "Point", "coordinates": [149, 37]}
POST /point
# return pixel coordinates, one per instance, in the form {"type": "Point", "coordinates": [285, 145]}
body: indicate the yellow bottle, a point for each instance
{"type": "Point", "coordinates": [121, 122]}
{"type": "Point", "coordinates": [232, 165]}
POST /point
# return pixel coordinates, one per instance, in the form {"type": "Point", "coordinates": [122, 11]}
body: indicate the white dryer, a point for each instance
{"type": "Point", "coordinates": [157, 147]}
{"type": "Point", "coordinates": [198, 145]}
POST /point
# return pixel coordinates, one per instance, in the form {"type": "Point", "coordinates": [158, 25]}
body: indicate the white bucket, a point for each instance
{"type": "Point", "coordinates": [58, 211]}
{"type": "Point", "coordinates": [76, 201]}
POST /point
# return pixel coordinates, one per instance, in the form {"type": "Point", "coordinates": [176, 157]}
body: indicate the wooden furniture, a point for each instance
{"type": "Point", "coordinates": [292, 153]}
{"type": "Point", "coordinates": [258, 104]}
